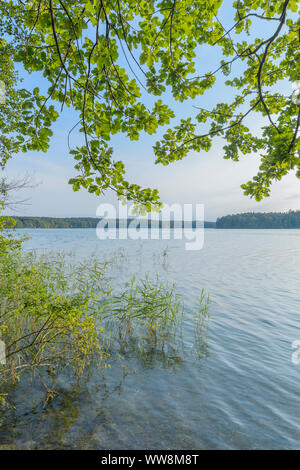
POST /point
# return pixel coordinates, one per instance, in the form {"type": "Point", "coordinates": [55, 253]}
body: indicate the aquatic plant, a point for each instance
{"type": "Point", "coordinates": [201, 318]}
{"type": "Point", "coordinates": [147, 311]}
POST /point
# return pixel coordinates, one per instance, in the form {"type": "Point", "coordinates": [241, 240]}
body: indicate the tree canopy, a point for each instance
{"type": "Point", "coordinates": [101, 57]}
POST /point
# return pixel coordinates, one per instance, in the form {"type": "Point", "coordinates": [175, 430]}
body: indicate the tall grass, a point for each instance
{"type": "Point", "coordinates": [146, 312]}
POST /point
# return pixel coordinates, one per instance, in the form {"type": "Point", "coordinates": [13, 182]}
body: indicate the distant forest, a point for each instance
{"type": "Point", "coordinates": [55, 222]}
{"type": "Point", "coordinates": [90, 222]}
{"type": "Point", "coordinates": [246, 220]}
{"type": "Point", "coordinates": [289, 219]}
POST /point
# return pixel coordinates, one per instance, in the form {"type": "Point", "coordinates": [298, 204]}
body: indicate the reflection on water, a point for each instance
{"type": "Point", "coordinates": [240, 391]}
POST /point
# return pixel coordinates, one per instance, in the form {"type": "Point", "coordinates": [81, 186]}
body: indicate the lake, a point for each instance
{"type": "Point", "coordinates": [240, 392]}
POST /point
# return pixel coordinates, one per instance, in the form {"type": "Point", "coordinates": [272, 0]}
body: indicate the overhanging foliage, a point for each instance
{"type": "Point", "coordinates": [80, 48]}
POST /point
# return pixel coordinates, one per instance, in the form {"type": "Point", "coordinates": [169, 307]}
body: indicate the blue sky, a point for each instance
{"type": "Point", "coordinates": [200, 178]}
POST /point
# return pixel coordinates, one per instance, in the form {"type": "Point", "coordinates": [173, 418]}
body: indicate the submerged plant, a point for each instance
{"type": "Point", "coordinates": [201, 321]}
{"type": "Point", "coordinates": [146, 310]}
{"type": "Point", "coordinates": [146, 318]}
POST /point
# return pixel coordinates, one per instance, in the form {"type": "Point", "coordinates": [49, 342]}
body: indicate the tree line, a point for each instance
{"type": "Point", "coordinates": [245, 220]}
{"type": "Point", "coordinates": [91, 222]}
{"type": "Point", "coordinates": [290, 219]}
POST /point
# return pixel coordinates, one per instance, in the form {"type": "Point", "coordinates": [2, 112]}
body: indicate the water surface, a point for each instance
{"type": "Point", "coordinates": [243, 390]}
